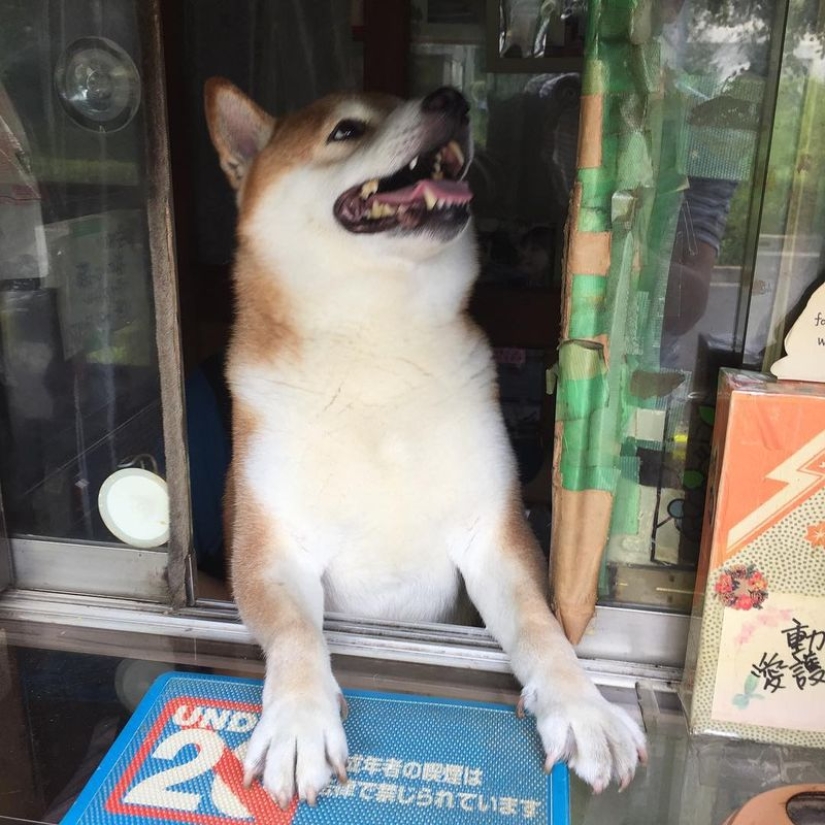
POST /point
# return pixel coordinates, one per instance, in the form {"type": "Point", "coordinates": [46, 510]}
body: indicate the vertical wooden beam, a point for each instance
{"type": "Point", "coordinates": [167, 318]}
{"type": "Point", "coordinates": [173, 33]}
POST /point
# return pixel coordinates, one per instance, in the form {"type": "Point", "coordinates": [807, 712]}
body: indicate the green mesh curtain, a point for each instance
{"type": "Point", "coordinates": [623, 219]}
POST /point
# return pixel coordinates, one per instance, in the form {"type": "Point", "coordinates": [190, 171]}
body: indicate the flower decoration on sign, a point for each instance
{"type": "Point", "coordinates": [741, 587]}
{"type": "Point", "coordinates": [816, 534]}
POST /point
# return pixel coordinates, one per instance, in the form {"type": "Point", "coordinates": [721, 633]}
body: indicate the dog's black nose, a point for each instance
{"type": "Point", "coordinates": [447, 101]}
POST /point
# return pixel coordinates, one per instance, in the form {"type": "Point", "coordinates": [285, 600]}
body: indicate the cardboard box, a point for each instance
{"type": "Point", "coordinates": [756, 651]}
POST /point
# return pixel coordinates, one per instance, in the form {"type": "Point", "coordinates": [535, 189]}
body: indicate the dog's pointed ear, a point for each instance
{"type": "Point", "coordinates": [239, 128]}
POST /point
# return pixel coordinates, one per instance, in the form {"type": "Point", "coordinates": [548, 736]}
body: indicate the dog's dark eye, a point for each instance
{"type": "Point", "coordinates": [347, 130]}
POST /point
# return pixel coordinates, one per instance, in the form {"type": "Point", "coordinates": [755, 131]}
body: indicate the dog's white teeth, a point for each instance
{"type": "Point", "coordinates": [438, 175]}
{"type": "Point", "coordinates": [381, 210]}
{"type": "Point", "coordinates": [369, 188]}
{"type": "Point", "coordinates": [456, 150]}
{"type": "Point", "coordinates": [414, 163]}
{"type": "Point", "coordinates": [430, 199]}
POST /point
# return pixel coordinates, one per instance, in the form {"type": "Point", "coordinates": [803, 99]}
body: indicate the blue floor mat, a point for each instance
{"type": "Point", "coordinates": [413, 761]}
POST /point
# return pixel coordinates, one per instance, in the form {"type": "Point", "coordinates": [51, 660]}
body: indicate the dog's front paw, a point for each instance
{"type": "Point", "coordinates": [599, 741]}
{"type": "Point", "coordinates": [298, 744]}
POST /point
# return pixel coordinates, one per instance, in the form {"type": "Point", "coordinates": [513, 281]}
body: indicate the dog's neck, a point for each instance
{"type": "Point", "coordinates": [317, 292]}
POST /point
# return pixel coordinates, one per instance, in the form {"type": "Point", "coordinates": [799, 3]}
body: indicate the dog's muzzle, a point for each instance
{"type": "Point", "coordinates": [429, 190]}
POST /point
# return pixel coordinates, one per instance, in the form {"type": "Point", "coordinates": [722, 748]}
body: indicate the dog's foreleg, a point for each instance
{"type": "Point", "coordinates": [299, 741]}
{"type": "Point", "coordinates": [504, 575]}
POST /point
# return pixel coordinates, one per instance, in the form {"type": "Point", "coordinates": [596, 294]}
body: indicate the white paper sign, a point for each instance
{"type": "Point", "coordinates": [771, 670]}
{"type": "Point", "coordinates": [805, 344]}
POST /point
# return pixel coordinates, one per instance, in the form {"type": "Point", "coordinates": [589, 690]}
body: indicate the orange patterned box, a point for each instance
{"type": "Point", "coordinates": [756, 653]}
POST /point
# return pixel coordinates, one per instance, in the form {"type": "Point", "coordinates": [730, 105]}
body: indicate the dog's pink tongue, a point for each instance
{"type": "Point", "coordinates": [449, 191]}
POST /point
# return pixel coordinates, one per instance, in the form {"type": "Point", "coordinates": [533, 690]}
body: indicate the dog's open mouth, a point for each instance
{"type": "Point", "coordinates": [428, 191]}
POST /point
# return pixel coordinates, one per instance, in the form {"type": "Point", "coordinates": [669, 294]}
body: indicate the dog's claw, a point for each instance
{"type": "Point", "coordinates": [344, 707]}
{"type": "Point", "coordinates": [520, 712]}
{"type": "Point", "coordinates": [600, 741]}
{"type": "Point", "coordinates": [550, 761]}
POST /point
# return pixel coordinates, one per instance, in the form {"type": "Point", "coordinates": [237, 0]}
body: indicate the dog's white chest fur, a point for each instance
{"type": "Point", "coordinates": [380, 458]}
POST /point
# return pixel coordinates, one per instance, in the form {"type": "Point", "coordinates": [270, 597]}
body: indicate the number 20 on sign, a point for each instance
{"type": "Point", "coordinates": [189, 769]}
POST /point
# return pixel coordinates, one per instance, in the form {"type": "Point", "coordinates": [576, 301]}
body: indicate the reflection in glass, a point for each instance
{"type": "Point", "coordinates": [720, 65]}
{"type": "Point", "coordinates": [537, 28]}
{"type": "Point", "coordinates": [80, 388]}
{"type": "Point", "coordinates": [789, 261]}
{"type": "Point", "coordinates": [525, 134]}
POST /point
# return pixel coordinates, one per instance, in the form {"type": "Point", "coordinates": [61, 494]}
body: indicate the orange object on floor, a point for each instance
{"type": "Point", "coordinates": [789, 805]}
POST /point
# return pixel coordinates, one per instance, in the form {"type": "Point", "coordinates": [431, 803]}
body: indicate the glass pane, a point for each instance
{"type": "Point", "coordinates": [697, 169]}
{"type": "Point", "coordinates": [525, 132]}
{"type": "Point", "coordinates": [792, 231]}
{"type": "Point", "coordinates": [80, 385]}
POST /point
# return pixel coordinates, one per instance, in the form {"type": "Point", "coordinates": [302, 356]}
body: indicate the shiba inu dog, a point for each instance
{"type": "Point", "coordinates": [372, 473]}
